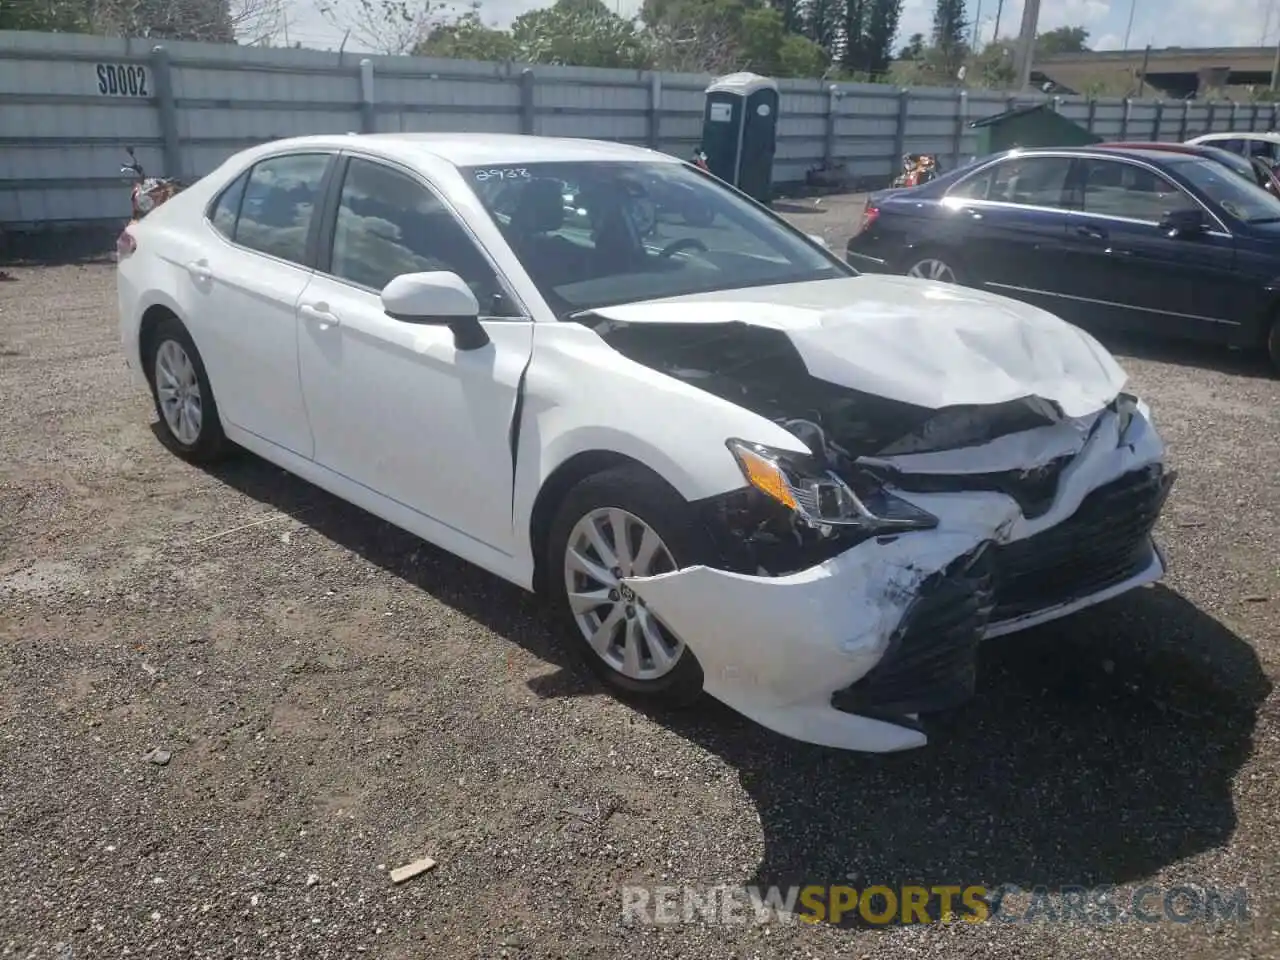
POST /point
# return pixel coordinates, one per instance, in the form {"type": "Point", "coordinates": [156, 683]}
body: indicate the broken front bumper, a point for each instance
{"type": "Point", "coordinates": [845, 653]}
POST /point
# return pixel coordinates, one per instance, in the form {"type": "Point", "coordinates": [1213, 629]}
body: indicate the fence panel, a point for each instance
{"type": "Point", "coordinates": [70, 104]}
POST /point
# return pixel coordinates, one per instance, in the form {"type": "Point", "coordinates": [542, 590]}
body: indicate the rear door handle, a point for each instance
{"type": "Point", "coordinates": [1094, 233]}
{"type": "Point", "coordinates": [319, 312]}
{"type": "Point", "coordinates": [199, 270]}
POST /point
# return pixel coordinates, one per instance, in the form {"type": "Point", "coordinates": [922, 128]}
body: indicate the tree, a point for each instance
{"type": "Point", "coordinates": [1062, 40]}
{"type": "Point", "coordinates": [914, 50]}
{"type": "Point", "coordinates": [582, 33]}
{"type": "Point", "coordinates": [949, 29]}
{"type": "Point", "coordinates": [467, 38]}
{"type": "Point", "coordinates": [218, 21]}
{"type": "Point", "coordinates": [385, 26]}
{"type": "Point", "coordinates": [869, 29]}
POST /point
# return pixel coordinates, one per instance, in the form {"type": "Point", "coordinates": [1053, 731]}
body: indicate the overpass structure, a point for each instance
{"type": "Point", "coordinates": [1176, 71]}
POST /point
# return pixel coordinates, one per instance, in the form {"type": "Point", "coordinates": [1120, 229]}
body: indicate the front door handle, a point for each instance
{"type": "Point", "coordinates": [1093, 233]}
{"type": "Point", "coordinates": [319, 312]}
{"type": "Point", "coordinates": [199, 270]}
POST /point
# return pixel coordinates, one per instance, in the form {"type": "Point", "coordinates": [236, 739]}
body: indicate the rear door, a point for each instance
{"type": "Point", "coordinates": [1009, 222]}
{"type": "Point", "coordinates": [246, 287]}
{"type": "Point", "coordinates": [1128, 272]}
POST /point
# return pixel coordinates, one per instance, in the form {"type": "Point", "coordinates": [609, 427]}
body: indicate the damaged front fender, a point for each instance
{"type": "Point", "coordinates": [776, 649]}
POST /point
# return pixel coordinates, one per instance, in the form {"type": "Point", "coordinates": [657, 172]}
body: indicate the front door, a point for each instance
{"type": "Point", "coordinates": [1130, 274]}
{"type": "Point", "coordinates": [395, 406]}
{"type": "Point", "coordinates": [247, 286]}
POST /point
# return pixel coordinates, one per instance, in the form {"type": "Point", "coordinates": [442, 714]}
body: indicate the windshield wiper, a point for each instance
{"type": "Point", "coordinates": [1264, 220]}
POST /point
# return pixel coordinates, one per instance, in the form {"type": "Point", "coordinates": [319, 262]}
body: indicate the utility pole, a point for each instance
{"type": "Point", "coordinates": [977, 25]}
{"type": "Point", "coordinates": [1133, 6]}
{"type": "Point", "coordinates": [1026, 44]}
{"type": "Point", "coordinates": [999, 10]}
{"type": "Point", "coordinates": [1142, 80]}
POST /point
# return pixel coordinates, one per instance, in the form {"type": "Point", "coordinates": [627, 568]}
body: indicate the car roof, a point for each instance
{"type": "Point", "coordinates": [1271, 135]}
{"type": "Point", "coordinates": [470, 149]}
{"type": "Point", "coordinates": [1153, 145]}
{"type": "Point", "coordinates": [1154, 154]}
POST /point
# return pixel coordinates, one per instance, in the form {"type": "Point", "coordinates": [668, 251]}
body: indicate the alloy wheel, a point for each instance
{"type": "Point", "coordinates": [178, 390]}
{"type": "Point", "coordinates": [931, 269]}
{"type": "Point", "coordinates": [605, 547]}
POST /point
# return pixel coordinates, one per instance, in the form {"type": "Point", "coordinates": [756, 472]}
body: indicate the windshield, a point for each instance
{"type": "Point", "coordinates": [1229, 193]}
{"type": "Point", "coordinates": [592, 234]}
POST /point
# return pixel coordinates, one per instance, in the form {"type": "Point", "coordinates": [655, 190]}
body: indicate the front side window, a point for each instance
{"type": "Point", "coordinates": [389, 224]}
{"type": "Point", "coordinates": [278, 204]}
{"type": "Point", "coordinates": [595, 233]}
{"type": "Point", "coordinates": [1112, 188]}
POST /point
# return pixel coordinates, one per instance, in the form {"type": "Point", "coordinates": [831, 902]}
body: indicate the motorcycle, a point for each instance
{"type": "Point", "coordinates": [917, 168]}
{"type": "Point", "coordinates": [147, 192]}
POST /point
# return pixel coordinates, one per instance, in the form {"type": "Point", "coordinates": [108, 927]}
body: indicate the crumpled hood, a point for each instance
{"type": "Point", "coordinates": [929, 344]}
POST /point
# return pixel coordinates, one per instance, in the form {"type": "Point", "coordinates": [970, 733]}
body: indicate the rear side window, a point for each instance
{"type": "Point", "coordinates": [227, 207]}
{"type": "Point", "coordinates": [1031, 181]}
{"type": "Point", "coordinates": [278, 204]}
{"type": "Point", "coordinates": [1262, 148]}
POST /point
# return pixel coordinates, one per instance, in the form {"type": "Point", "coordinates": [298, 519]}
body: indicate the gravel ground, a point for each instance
{"type": "Point", "coordinates": [340, 699]}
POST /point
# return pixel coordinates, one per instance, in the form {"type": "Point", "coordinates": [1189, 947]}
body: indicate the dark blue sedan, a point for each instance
{"type": "Point", "coordinates": [1108, 238]}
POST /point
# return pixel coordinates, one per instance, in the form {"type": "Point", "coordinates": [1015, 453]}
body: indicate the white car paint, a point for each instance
{"type": "Point", "coordinates": [311, 373]}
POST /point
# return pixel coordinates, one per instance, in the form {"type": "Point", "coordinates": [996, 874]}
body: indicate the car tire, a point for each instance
{"type": "Point", "coordinates": [938, 265]}
{"type": "Point", "coordinates": [189, 422]}
{"type": "Point", "coordinates": [645, 502]}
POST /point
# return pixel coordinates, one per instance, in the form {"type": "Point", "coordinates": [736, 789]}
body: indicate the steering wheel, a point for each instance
{"type": "Point", "coordinates": [684, 243]}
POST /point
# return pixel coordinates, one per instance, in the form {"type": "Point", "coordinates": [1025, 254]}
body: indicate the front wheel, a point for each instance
{"type": "Point", "coordinates": [625, 522]}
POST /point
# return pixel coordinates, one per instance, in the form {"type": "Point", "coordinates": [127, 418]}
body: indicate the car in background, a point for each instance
{"type": "Point", "coordinates": [1254, 169]}
{"type": "Point", "coordinates": [712, 445]}
{"type": "Point", "coordinates": [1149, 240]}
{"type": "Point", "coordinates": [1264, 145]}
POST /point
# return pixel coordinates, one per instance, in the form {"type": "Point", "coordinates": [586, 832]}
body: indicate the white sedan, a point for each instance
{"type": "Point", "coordinates": [733, 464]}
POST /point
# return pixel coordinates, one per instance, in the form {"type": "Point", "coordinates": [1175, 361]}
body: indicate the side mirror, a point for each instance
{"type": "Point", "coordinates": [819, 240]}
{"type": "Point", "coordinates": [439, 298]}
{"type": "Point", "coordinates": [1184, 223]}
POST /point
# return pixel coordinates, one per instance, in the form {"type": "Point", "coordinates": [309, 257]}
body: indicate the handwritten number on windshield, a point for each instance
{"type": "Point", "coordinates": [503, 173]}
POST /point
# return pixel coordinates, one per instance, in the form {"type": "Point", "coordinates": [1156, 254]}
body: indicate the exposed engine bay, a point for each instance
{"type": "Point", "coordinates": [858, 442]}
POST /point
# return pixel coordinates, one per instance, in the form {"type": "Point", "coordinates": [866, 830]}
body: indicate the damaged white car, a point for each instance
{"type": "Point", "coordinates": [591, 369]}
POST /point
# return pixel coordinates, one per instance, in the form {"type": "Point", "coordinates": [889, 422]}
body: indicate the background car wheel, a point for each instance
{"type": "Point", "coordinates": [625, 522]}
{"type": "Point", "coordinates": [935, 265]}
{"type": "Point", "coordinates": [184, 400]}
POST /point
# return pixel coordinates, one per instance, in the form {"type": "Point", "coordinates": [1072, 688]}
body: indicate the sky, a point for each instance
{"type": "Point", "coordinates": [1161, 23]}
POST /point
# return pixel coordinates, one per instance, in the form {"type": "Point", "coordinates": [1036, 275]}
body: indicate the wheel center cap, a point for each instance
{"type": "Point", "coordinates": [628, 594]}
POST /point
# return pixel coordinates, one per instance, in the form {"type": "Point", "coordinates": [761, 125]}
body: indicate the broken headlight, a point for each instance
{"type": "Point", "coordinates": [804, 485]}
{"type": "Point", "coordinates": [1125, 406]}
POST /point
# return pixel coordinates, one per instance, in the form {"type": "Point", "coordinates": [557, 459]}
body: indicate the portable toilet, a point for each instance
{"type": "Point", "coordinates": [740, 132]}
{"type": "Point", "coordinates": [1034, 126]}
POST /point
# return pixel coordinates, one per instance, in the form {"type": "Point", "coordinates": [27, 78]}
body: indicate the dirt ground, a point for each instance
{"type": "Point", "coordinates": [340, 699]}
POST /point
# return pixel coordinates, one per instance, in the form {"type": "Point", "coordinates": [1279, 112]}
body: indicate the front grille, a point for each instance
{"type": "Point", "coordinates": [1106, 541]}
{"type": "Point", "coordinates": [931, 662]}
{"type": "Point", "coordinates": [1033, 490]}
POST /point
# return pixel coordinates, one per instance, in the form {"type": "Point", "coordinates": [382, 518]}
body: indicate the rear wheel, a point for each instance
{"type": "Point", "coordinates": [625, 522]}
{"type": "Point", "coordinates": [934, 265]}
{"type": "Point", "coordinates": [183, 398]}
